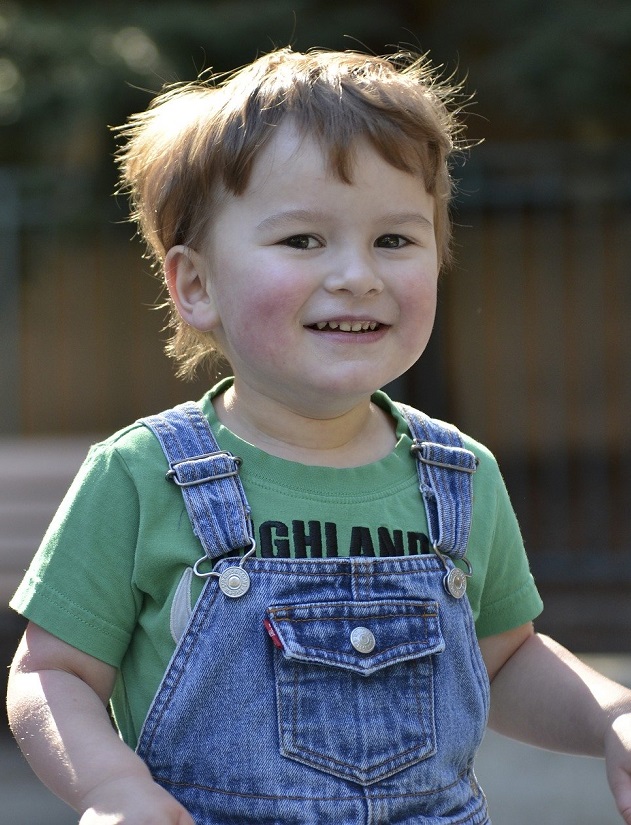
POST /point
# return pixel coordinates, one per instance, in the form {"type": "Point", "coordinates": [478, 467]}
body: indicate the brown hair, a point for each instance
{"type": "Point", "coordinates": [199, 140]}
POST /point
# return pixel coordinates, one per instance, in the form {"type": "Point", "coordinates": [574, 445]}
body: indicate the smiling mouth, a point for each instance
{"type": "Point", "coordinates": [346, 326]}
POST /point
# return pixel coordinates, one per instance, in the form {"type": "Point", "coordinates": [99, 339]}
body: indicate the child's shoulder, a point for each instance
{"type": "Point", "coordinates": [487, 462]}
{"type": "Point", "coordinates": [134, 439]}
{"type": "Point", "coordinates": [402, 413]}
{"type": "Point", "coordinates": [487, 472]}
{"type": "Point", "coordinates": [135, 445]}
{"type": "Point", "coordinates": [489, 487]}
{"type": "Point", "coordinates": [125, 456]}
{"type": "Point", "coordinates": [482, 452]}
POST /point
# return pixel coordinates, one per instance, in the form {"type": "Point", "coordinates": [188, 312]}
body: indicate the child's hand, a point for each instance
{"type": "Point", "coordinates": [128, 802]}
{"type": "Point", "coordinates": [618, 761]}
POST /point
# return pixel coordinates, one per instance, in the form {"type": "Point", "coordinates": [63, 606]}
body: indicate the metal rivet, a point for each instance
{"type": "Point", "coordinates": [363, 640]}
{"type": "Point", "coordinates": [455, 583]}
{"type": "Point", "coordinates": [234, 582]}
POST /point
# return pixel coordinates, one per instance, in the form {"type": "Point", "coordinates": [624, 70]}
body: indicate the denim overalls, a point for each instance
{"type": "Point", "coordinates": [339, 690]}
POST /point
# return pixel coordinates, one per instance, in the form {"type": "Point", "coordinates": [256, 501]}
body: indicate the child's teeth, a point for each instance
{"type": "Point", "coordinates": [347, 326]}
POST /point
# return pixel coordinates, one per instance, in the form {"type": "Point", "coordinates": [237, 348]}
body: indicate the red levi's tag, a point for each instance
{"type": "Point", "coordinates": [272, 634]}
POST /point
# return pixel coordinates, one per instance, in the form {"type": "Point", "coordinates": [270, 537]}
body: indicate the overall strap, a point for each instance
{"type": "Point", "coordinates": [445, 471]}
{"type": "Point", "coordinates": [208, 477]}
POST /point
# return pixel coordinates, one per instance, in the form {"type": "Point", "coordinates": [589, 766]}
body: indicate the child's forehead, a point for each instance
{"type": "Point", "coordinates": [289, 142]}
{"type": "Point", "coordinates": [294, 183]}
{"type": "Point", "coordinates": [305, 151]}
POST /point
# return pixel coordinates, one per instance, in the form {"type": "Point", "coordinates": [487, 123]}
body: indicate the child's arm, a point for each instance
{"type": "Point", "coordinates": [57, 701]}
{"type": "Point", "coordinates": [543, 695]}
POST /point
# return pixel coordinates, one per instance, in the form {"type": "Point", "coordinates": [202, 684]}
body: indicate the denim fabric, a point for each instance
{"type": "Point", "coordinates": [445, 470]}
{"type": "Point", "coordinates": [219, 511]}
{"type": "Point", "coordinates": [269, 714]}
{"type": "Point", "coordinates": [313, 731]}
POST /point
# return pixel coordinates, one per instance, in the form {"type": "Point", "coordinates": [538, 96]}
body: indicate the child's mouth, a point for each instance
{"type": "Point", "coordinates": [346, 326]}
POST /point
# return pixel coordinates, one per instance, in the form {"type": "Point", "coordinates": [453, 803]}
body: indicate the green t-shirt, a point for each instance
{"type": "Point", "coordinates": [105, 576]}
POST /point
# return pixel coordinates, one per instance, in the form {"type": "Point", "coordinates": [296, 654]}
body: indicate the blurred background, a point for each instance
{"type": "Point", "coordinates": [532, 348]}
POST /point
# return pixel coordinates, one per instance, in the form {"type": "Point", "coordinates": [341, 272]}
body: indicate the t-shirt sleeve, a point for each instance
{"type": "Point", "coordinates": [507, 595]}
{"type": "Point", "coordinates": [79, 584]}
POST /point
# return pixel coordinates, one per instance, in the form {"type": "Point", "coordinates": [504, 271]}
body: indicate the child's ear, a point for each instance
{"type": "Point", "coordinates": [186, 276]}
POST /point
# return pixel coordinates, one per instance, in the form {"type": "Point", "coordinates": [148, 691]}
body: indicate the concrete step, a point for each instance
{"type": "Point", "coordinates": [34, 476]}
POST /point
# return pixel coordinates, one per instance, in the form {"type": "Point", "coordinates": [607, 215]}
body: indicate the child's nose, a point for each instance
{"type": "Point", "coordinates": [355, 273]}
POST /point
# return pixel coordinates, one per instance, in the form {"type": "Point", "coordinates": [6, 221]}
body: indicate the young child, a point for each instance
{"type": "Point", "coordinates": [284, 637]}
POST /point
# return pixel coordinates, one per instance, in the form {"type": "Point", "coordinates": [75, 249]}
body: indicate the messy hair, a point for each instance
{"type": "Point", "coordinates": [198, 142]}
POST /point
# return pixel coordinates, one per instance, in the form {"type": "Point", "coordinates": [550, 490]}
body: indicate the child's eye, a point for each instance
{"type": "Point", "coordinates": [301, 242]}
{"type": "Point", "coordinates": [391, 241]}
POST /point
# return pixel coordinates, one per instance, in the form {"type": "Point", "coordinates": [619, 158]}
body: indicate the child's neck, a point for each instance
{"type": "Point", "coordinates": [360, 435]}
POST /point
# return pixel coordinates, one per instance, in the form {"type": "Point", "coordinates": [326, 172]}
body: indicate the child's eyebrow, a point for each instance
{"type": "Point", "coordinates": [307, 215]}
{"type": "Point", "coordinates": [398, 218]}
{"type": "Point", "coordinates": [289, 215]}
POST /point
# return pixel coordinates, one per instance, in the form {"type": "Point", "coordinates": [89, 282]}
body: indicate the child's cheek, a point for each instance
{"type": "Point", "coordinates": [265, 326]}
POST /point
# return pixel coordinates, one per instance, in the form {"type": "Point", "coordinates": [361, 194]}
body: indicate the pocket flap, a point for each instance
{"type": "Point", "coordinates": [386, 632]}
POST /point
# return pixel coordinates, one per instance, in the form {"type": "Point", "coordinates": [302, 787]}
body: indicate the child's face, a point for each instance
{"type": "Point", "coordinates": [321, 291]}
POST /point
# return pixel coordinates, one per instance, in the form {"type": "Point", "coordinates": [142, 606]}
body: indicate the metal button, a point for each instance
{"type": "Point", "coordinates": [234, 582]}
{"type": "Point", "coordinates": [455, 583]}
{"type": "Point", "coordinates": [363, 640]}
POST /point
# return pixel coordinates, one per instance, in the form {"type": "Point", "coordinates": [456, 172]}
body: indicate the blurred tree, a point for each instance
{"type": "Point", "coordinates": [68, 68]}
{"type": "Point", "coordinates": [554, 69]}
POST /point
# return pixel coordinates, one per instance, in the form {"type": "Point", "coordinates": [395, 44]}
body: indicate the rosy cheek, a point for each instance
{"type": "Point", "coordinates": [261, 325]}
{"type": "Point", "coordinates": [276, 302]}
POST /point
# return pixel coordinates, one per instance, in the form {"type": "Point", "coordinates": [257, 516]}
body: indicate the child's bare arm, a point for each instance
{"type": "Point", "coordinates": [543, 695]}
{"type": "Point", "coordinates": [57, 701]}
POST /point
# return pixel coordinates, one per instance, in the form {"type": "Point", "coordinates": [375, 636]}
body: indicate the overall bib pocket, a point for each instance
{"type": "Point", "coordinates": [355, 684]}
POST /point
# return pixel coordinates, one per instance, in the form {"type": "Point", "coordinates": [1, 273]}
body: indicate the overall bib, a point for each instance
{"type": "Point", "coordinates": [338, 690]}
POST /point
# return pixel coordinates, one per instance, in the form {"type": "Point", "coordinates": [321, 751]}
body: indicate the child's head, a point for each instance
{"type": "Point", "coordinates": [196, 144]}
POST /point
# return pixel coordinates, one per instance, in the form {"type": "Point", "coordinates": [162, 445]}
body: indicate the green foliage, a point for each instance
{"type": "Point", "coordinates": [545, 67]}
{"type": "Point", "coordinates": [68, 69]}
